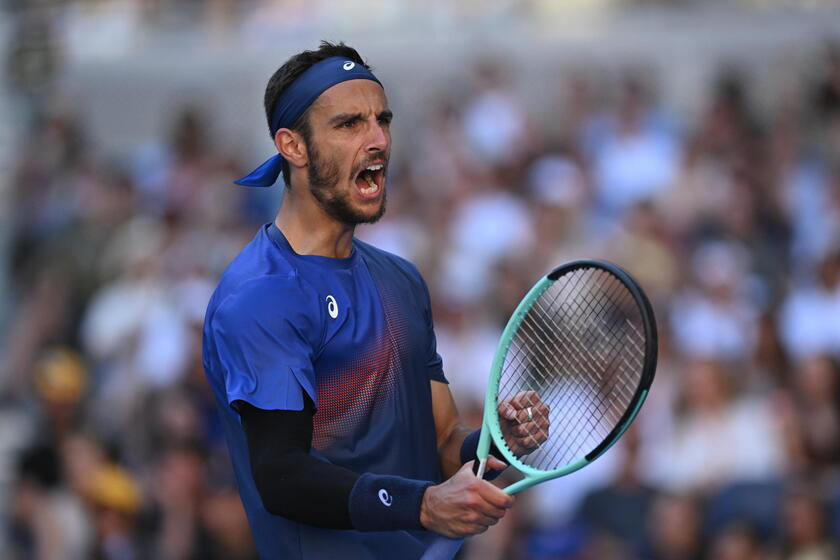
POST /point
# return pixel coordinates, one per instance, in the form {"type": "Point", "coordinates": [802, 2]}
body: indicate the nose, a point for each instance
{"type": "Point", "coordinates": [379, 139]}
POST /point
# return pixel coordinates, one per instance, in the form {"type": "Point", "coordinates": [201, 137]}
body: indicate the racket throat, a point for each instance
{"type": "Point", "coordinates": [482, 465]}
{"type": "Point", "coordinates": [483, 450]}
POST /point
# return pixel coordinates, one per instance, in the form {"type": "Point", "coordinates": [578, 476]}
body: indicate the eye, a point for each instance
{"type": "Point", "coordinates": [349, 123]}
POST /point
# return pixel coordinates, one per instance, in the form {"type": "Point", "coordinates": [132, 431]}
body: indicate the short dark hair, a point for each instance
{"type": "Point", "coordinates": [289, 72]}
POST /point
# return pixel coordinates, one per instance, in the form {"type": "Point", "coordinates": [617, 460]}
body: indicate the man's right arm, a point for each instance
{"type": "Point", "coordinates": [289, 480]}
{"type": "Point", "coordinates": [294, 484]}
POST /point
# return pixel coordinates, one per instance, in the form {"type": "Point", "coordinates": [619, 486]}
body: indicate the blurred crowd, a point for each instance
{"type": "Point", "coordinates": [110, 445]}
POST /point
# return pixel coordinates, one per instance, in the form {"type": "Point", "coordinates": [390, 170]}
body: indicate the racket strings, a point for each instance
{"type": "Point", "coordinates": [542, 365]}
{"type": "Point", "coordinates": [606, 409]}
{"type": "Point", "coordinates": [594, 409]}
{"type": "Point", "coordinates": [544, 333]}
{"type": "Point", "coordinates": [581, 348]}
{"type": "Point", "coordinates": [602, 355]}
{"type": "Point", "coordinates": [609, 340]}
{"type": "Point", "coordinates": [599, 354]}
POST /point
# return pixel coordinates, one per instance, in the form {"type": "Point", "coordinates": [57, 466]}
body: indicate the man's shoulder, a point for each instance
{"type": "Point", "coordinates": [257, 259]}
{"type": "Point", "coordinates": [257, 276]}
{"type": "Point", "coordinates": [387, 260]}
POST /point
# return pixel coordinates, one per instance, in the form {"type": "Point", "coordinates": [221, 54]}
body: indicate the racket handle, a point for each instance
{"type": "Point", "coordinates": [443, 549]}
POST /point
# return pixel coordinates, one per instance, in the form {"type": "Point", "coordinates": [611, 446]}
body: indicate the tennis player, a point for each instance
{"type": "Point", "coordinates": [320, 348]}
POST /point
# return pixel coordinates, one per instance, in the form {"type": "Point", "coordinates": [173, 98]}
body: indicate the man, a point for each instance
{"type": "Point", "coordinates": [321, 351]}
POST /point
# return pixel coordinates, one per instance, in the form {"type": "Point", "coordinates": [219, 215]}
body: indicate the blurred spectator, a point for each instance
{"type": "Point", "coordinates": [810, 316]}
{"type": "Point", "coordinates": [35, 55]}
{"type": "Point", "coordinates": [115, 499]}
{"type": "Point", "coordinates": [635, 154]}
{"type": "Point", "coordinates": [739, 542]}
{"type": "Point", "coordinates": [805, 526]}
{"type": "Point", "coordinates": [495, 126]}
{"type": "Point", "coordinates": [619, 510]}
{"type": "Point", "coordinates": [675, 529]}
{"type": "Point", "coordinates": [179, 486]}
{"type": "Point", "coordinates": [813, 414]}
{"type": "Point", "coordinates": [486, 228]}
{"type": "Point", "coordinates": [719, 435]}
{"type": "Point", "coordinates": [48, 521]}
{"type": "Point", "coordinates": [717, 318]}
{"type": "Point", "coordinates": [61, 383]}
{"type": "Point", "coordinates": [827, 97]}
{"type": "Point", "coordinates": [228, 533]}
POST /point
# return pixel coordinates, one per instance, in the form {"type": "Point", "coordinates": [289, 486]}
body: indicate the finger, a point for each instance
{"type": "Point", "coordinates": [523, 416]}
{"type": "Point", "coordinates": [487, 511]}
{"type": "Point", "coordinates": [524, 412]}
{"type": "Point", "coordinates": [526, 398]}
{"type": "Point", "coordinates": [534, 441]}
{"type": "Point", "coordinates": [507, 411]}
{"type": "Point", "coordinates": [495, 464]}
{"type": "Point", "coordinates": [530, 439]}
{"type": "Point", "coordinates": [494, 496]}
{"type": "Point", "coordinates": [527, 429]}
{"type": "Point", "coordinates": [491, 519]}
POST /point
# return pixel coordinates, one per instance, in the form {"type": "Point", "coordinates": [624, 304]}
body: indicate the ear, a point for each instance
{"type": "Point", "coordinates": [291, 146]}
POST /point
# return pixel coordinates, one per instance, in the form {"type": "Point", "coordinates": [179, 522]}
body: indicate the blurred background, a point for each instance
{"type": "Point", "coordinates": [695, 143]}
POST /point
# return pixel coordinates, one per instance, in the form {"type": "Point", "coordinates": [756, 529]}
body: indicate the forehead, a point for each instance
{"type": "Point", "coordinates": [352, 96]}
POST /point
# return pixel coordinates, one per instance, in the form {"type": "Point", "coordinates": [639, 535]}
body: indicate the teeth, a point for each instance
{"type": "Point", "coordinates": [376, 167]}
{"type": "Point", "coordinates": [372, 188]}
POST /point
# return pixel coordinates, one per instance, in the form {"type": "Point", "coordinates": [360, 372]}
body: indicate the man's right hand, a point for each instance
{"type": "Point", "coordinates": [464, 505]}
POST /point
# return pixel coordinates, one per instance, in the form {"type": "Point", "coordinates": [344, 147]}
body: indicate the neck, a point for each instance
{"type": "Point", "coordinates": [309, 230]}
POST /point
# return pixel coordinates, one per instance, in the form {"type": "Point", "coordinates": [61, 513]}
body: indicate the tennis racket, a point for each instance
{"type": "Point", "coordinates": [575, 361]}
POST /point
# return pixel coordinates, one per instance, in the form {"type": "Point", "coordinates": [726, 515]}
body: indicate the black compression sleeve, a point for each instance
{"type": "Point", "coordinates": [290, 481]}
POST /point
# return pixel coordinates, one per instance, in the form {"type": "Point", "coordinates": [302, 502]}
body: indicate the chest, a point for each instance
{"type": "Point", "coordinates": [370, 319]}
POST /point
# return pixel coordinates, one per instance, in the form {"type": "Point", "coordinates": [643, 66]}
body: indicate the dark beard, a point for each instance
{"type": "Point", "coordinates": [323, 178]}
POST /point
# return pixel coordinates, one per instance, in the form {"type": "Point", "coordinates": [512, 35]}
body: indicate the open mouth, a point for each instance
{"type": "Point", "coordinates": [370, 179]}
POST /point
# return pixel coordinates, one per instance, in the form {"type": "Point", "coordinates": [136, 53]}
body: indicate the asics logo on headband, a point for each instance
{"type": "Point", "coordinates": [349, 65]}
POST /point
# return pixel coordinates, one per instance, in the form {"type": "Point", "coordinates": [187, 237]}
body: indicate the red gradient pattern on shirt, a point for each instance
{"type": "Point", "coordinates": [348, 395]}
{"type": "Point", "coordinates": [351, 394]}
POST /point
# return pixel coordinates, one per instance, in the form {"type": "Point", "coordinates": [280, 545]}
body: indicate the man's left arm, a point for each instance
{"type": "Point", "coordinates": [456, 443]}
{"type": "Point", "coordinates": [449, 429]}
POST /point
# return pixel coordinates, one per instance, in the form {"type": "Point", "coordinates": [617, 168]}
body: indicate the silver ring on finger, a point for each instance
{"type": "Point", "coordinates": [530, 413]}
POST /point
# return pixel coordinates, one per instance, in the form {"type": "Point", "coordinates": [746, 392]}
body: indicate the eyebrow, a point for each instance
{"type": "Point", "coordinates": [344, 117]}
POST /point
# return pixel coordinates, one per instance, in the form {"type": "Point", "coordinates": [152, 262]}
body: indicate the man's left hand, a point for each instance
{"type": "Point", "coordinates": [525, 423]}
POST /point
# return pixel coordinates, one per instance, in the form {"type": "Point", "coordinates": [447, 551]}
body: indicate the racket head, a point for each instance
{"type": "Point", "coordinates": [584, 338]}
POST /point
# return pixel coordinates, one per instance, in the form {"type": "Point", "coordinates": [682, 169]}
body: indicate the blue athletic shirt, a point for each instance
{"type": "Point", "coordinates": [356, 334]}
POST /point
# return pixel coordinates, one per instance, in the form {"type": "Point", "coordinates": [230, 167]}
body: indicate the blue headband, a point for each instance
{"type": "Point", "coordinates": [296, 99]}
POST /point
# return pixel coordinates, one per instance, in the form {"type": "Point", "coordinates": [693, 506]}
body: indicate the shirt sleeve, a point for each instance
{"type": "Point", "coordinates": [434, 361]}
{"type": "Point", "coordinates": [266, 335]}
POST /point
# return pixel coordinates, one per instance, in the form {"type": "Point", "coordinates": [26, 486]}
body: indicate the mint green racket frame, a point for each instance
{"type": "Point", "coordinates": [491, 430]}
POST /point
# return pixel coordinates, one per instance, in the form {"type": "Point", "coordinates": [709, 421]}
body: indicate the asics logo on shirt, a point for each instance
{"type": "Point", "coordinates": [332, 307]}
{"type": "Point", "coordinates": [385, 497]}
